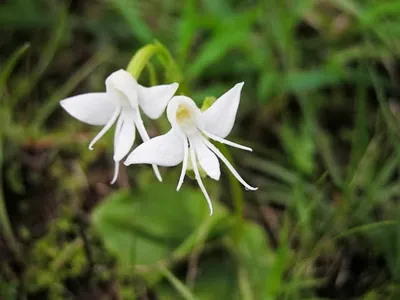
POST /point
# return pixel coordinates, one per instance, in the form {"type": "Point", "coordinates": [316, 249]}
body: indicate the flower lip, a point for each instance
{"type": "Point", "coordinates": [183, 113]}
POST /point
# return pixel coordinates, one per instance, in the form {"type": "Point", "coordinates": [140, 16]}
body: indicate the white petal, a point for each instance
{"type": "Point", "coordinates": [91, 108]}
{"type": "Point", "coordinates": [123, 82]}
{"type": "Point", "coordinates": [106, 127]}
{"type": "Point", "coordinates": [153, 100]}
{"type": "Point", "coordinates": [164, 150]}
{"type": "Point", "coordinates": [223, 141]}
{"type": "Point", "coordinates": [219, 118]}
{"type": "Point", "coordinates": [206, 158]}
{"type": "Point", "coordinates": [125, 137]}
{"type": "Point", "coordinates": [228, 164]}
{"type": "Point", "coordinates": [198, 178]}
{"type": "Point", "coordinates": [116, 171]}
{"type": "Point", "coordinates": [184, 164]}
{"type": "Point", "coordinates": [145, 137]}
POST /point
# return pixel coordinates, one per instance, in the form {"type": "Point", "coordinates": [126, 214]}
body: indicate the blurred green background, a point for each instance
{"type": "Point", "coordinates": [320, 107]}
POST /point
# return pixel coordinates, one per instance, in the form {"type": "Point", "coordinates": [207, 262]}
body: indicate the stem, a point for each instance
{"type": "Point", "coordinates": [4, 220]}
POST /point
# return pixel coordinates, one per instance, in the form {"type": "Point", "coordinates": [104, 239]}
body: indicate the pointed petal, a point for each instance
{"type": "Point", "coordinates": [206, 158]}
{"type": "Point", "coordinates": [126, 136]}
{"type": "Point", "coordinates": [154, 100]}
{"type": "Point", "coordinates": [106, 127]}
{"type": "Point", "coordinates": [198, 179]}
{"type": "Point", "coordinates": [226, 142]}
{"type": "Point", "coordinates": [229, 166]}
{"type": "Point", "coordinates": [184, 165]}
{"type": "Point", "coordinates": [219, 118]}
{"type": "Point", "coordinates": [116, 171]}
{"type": "Point", "coordinates": [91, 108]}
{"type": "Point", "coordinates": [145, 137]}
{"type": "Point", "coordinates": [164, 150]}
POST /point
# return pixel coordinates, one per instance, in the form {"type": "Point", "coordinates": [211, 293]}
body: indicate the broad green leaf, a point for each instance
{"type": "Point", "coordinates": [145, 227]}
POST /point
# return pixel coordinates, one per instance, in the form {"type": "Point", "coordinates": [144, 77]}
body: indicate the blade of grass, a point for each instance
{"type": "Point", "coordinates": [177, 284]}
{"type": "Point", "coordinates": [46, 56]}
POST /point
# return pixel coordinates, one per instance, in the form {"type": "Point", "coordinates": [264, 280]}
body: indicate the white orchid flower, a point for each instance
{"type": "Point", "coordinates": [189, 135]}
{"type": "Point", "coordinates": [121, 102]}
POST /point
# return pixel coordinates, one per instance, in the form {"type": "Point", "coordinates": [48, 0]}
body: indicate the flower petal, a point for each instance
{"type": "Point", "coordinates": [226, 142]}
{"type": "Point", "coordinates": [153, 100]}
{"type": "Point", "coordinates": [198, 179]}
{"type": "Point", "coordinates": [145, 137]}
{"type": "Point", "coordinates": [219, 118]}
{"type": "Point", "coordinates": [206, 158]}
{"type": "Point", "coordinates": [125, 138]}
{"type": "Point", "coordinates": [184, 164]}
{"type": "Point", "coordinates": [229, 165]}
{"type": "Point", "coordinates": [164, 150]}
{"type": "Point", "coordinates": [123, 82]}
{"type": "Point", "coordinates": [91, 108]}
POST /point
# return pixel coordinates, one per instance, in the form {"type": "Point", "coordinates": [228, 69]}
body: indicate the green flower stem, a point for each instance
{"type": "Point", "coordinates": [140, 60]}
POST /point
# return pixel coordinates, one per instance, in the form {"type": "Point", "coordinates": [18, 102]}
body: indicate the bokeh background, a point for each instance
{"type": "Point", "coordinates": [320, 107]}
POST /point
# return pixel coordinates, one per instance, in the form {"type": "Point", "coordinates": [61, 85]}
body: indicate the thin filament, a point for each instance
{"type": "Point", "coordinates": [184, 165]}
{"type": "Point", "coordinates": [228, 164]}
{"type": "Point", "coordinates": [198, 178]}
{"type": "Point", "coordinates": [106, 127]}
{"type": "Point", "coordinates": [145, 137]}
{"type": "Point", "coordinates": [223, 141]}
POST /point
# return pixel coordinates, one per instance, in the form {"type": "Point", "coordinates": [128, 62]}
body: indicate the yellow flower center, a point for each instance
{"type": "Point", "coordinates": [182, 113]}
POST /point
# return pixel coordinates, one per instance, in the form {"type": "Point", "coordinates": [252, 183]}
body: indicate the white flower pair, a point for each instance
{"type": "Point", "coordinates": [187, 137]}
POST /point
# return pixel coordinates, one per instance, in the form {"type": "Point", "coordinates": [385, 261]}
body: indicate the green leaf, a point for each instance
{"type": "Point", "coordinates": [129, 10]}
{"type": "Point", "coordinates": [9, 66]}
{"type": "Point", "coordinates": [143, 228]}
{"type": "Point", "coordinates": [255, 257]}
{"type": "Point", "coordinates": [300, 81]}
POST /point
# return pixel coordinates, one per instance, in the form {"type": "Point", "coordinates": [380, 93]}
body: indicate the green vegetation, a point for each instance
{"type": "Point", "coordinates": [320, 108]}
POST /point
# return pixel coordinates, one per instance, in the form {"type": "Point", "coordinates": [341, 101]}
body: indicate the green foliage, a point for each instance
{"type": "Point", "coordinates": [319, 108]}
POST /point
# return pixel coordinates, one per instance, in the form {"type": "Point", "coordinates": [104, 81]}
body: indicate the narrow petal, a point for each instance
{"type": "Point", "coordinates": [206, 158]}
{"type": "Point", "coordinates": [125, 137]}
{"type": "Point", "coordinates": [164, 150]}
{"type": "Point", "coordinates": [228, 164]}
{"type": "Point", "coordinates": [103, 131]}
{"type": "Point", "coordinates": [219, 118]}
{"type": "Point", "coordinates": [116, 163]}
{"type": "Point", "coordinates": [223, 141]}
{"type": "Point", "coordinates": [153, 100]}
{"type": "Point", "coordinates": [184, 164]}
{"type": "Point", "coordinates": [198, 178]}
{"type": "Point", "coordinates": [145, 137]}
{"type": "Point", "coordinates": [92, 108]}
{"type": "Point", "coordinates": [116, 172]}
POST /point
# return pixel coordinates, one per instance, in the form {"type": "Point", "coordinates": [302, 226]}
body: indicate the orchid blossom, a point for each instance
{"type": "Point", "coordinates": [120, 103]}
{"type": "Point", "coordinates": [189, 138]}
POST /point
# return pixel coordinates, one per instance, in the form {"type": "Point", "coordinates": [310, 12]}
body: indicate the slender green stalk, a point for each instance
{"type": "Point", "coordinates": [5, 223]}
{"type": "Point", "coordinates": [177, 284]}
